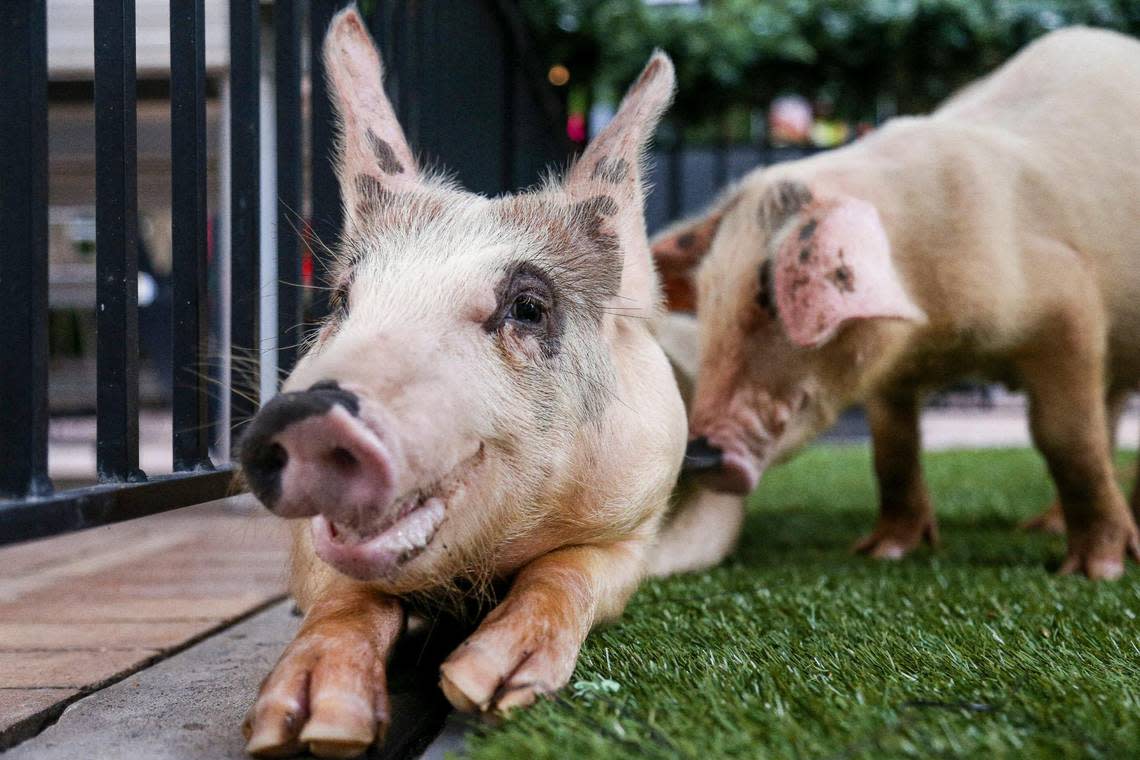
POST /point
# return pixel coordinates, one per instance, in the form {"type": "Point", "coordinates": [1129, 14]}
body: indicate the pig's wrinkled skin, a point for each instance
{"type": "Point", "coordinates": [541, 446]}
{"type": "Point", "coordinates": [997, 237]}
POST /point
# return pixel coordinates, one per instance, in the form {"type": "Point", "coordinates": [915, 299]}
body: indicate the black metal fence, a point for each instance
{"type": "Point", "coordinates": [686, 178]}
{"type": "Point", "coordinates": [466, 90]}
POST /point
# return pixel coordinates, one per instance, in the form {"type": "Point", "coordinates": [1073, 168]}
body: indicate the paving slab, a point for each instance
{"type": "Point", "coordinates": [190, 705]}
{"type": "Point", "coordinates": [84, 609]}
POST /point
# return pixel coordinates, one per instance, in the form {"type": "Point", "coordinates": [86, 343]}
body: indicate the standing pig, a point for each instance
{"type": "Point", "coordinates": [484, 404]}
{"type": "Point", "coordinates": [998, 237]}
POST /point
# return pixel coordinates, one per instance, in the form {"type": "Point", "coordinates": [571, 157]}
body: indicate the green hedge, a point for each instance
{"type": "Point", "coordinates": [909, 54]}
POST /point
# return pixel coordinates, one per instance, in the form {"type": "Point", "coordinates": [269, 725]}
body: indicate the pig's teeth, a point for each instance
{"type": "Point", "coordinates": [350, 533]}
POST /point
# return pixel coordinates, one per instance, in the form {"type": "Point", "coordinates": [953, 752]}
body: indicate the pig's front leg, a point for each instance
{"type": "Point", "coordinates": [529, 644]}
{"type": "Point", "coordinates": [328, 692]}
{"type": "Point", "coordinates": [906, 517]}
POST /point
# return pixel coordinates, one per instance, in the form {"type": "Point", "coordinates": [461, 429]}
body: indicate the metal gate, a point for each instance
{"type": "Point", "coordinates": [496, 124]}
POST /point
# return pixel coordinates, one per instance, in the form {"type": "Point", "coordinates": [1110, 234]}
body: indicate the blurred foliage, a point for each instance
{"type": "Point", "coordinates": [858, 55]}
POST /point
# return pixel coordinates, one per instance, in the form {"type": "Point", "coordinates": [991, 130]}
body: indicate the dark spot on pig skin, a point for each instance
{"type": "Point", "coordinates": [805, 254]}
{"type": "Point", "coordinates": [808, 229]}
{"type": "Point", "coordinates": [373, 197]}
{"type": "Point", "coordinates": [611, 170]}
{"type": "Point", "coordinates": [385, 156]}
{"type": "Point", "coordinates": [843, 279]}
{"type": "Point", "coordinates": [578, 251]}
{"type": "Point", "coordinates": [764, 297]}
{"type": "Point", "coordinates": [781, 202]}
{"type": "Point", "coordinates": [599, 205]}
{"type": "Point", "coordinates": [371, 186]}
{"type": "Point", "coordinates": [686, 241]}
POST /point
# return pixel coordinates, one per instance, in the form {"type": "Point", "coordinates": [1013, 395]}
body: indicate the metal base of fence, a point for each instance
{"type": "Point", "coordinates": [38, 517]}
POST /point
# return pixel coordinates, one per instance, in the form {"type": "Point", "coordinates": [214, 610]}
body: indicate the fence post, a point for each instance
{"type": "Point", "coordinates": [288, 20]}
{"type": "Point", "coordinates": [324, 190]}
{"type": "Point", "coordinates": [116, 242]}
{"type": "Point", "coordinates": [24, 248]}
{"type": "Point", "coordinates": [188, 233]}
{"type": "Point", "coordinates": [245, 208]}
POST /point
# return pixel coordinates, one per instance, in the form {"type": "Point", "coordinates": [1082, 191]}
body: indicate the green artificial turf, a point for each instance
{"type": "Point", "coordinates": [795, 648]}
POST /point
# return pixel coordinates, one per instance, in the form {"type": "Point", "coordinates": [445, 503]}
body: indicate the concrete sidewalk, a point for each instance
{"type": "Point", "coordinates": [82, 610]}
{"type": "Point", "coordinates": [190, 706]}
{"type": "Point", "coordinates": [1004, 426]}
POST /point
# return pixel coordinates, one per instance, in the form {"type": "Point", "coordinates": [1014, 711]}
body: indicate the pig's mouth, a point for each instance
{"type": "Point", "coordinates": [377, 548]}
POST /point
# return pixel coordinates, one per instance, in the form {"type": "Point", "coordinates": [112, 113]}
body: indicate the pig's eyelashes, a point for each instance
{"type": "Point", "coordinates": [528, 310]}
{"type": "Point", "coordinates": [338, 302]}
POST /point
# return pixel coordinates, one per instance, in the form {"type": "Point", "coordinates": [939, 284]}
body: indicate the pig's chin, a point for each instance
{"type": "Point", "coordinates": [380, 549]}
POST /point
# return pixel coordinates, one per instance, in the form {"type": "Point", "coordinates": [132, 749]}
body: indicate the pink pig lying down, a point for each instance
{"type": "Point", "coordinates": [997, 238]}
{"type": "Point", "coordinates": [487, 405]}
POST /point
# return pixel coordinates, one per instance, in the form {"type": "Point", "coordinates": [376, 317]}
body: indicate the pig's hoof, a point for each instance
{"type": "Point", "coordinates": [327, 695]}
{"type": "Point", "coordinates": [1052, 520]}
{"type": "Point", "coordinates": [503, 666]}
{"type": "Point", "coordinates": [1099, 551]}
{"type": "Point", "coordinates": [894, 539]}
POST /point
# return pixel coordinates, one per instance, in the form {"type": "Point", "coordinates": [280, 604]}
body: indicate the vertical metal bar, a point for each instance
{"type": "Point", "coordinates": [116, 242]}
{"type": "Point", "coordinates": [24, 248]}
{"type": "Point", "coordinates": [189, 220]}
{"type": "Point", "coordinates": [507, 113]}
{"type": "Point", "coordinates": [245, 294]}
{"type": "Point", "coordinates": [325, 190]}
{"type": "Point", "coordinates": [288, 18]}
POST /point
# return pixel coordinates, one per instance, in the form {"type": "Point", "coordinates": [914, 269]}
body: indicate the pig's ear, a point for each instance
{"type": "Point", "coordinates": [679, 248]}
{"type": "Point", "coordinates": [373, 158]}
{"type": "Point", "coordinates": [611, 169]}
{"type": "Point", "coordinates": [835, 266]}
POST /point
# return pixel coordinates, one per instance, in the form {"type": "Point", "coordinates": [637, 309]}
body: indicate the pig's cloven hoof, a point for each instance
{"type": "Point", "coordinates": [1099, 551]}
{"type": "Point", "coordinates": [1052, 520]}
{"type": "Point", "coordinates": [896, 538]}
{"type": "Point", "coordinates": [327, 694]}
{"type": "Point", "coordinates": [505, 665]}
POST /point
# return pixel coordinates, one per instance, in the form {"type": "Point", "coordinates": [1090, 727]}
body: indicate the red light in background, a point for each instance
{"type": "Point", "coordinates": [576, 127]}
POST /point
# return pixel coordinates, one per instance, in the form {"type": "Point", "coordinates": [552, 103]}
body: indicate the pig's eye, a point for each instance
{"type": "Point", "coordinates": [338, 302]}
{"type": "Point", "coordinates": [527, 309]}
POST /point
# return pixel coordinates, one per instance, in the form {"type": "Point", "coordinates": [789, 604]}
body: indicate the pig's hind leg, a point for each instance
{"type": "Point", "coordinates": [1052, 520]}
{"type": "Point", "coordinates": [906, 516]}
{"type": "Point", "coordinates": [1064, 377]}
{"type": "Point", "coordinates": [328, 691]}
{"type": "Point", "coordinates": [528, 645]}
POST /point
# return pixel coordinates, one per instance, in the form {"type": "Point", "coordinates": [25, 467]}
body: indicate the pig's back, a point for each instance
{"type": "Point", "coordinates": [1070, 103]}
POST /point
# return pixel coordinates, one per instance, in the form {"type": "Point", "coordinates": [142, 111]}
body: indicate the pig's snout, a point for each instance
{"type": "Point", "coordinates": [701, 456]}
{"type": "Point", "coordinates": [720, 469]}
{"type": "Point", "coordinates": [309, 453]}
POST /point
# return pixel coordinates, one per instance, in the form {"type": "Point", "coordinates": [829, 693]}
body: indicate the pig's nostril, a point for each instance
{"type": "Point", "coordinates": [343, 460]}
{"type": "Point", "coordinates": [701, 456]}
{"type": "Point", "coordinates": [263, 470]}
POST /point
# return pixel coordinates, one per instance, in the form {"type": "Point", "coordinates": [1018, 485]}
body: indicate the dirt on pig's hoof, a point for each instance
{"type": "Point", "coordinates": [506, 665]}
{"type": "Point", "coordinates": [894, 539]}
{"type": "Point", "coordinates": [1100, 551]}
{"type": "Point", "coordinates": [1052, 520]}
{"type": "Point", "coordinates": [326, 695]}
